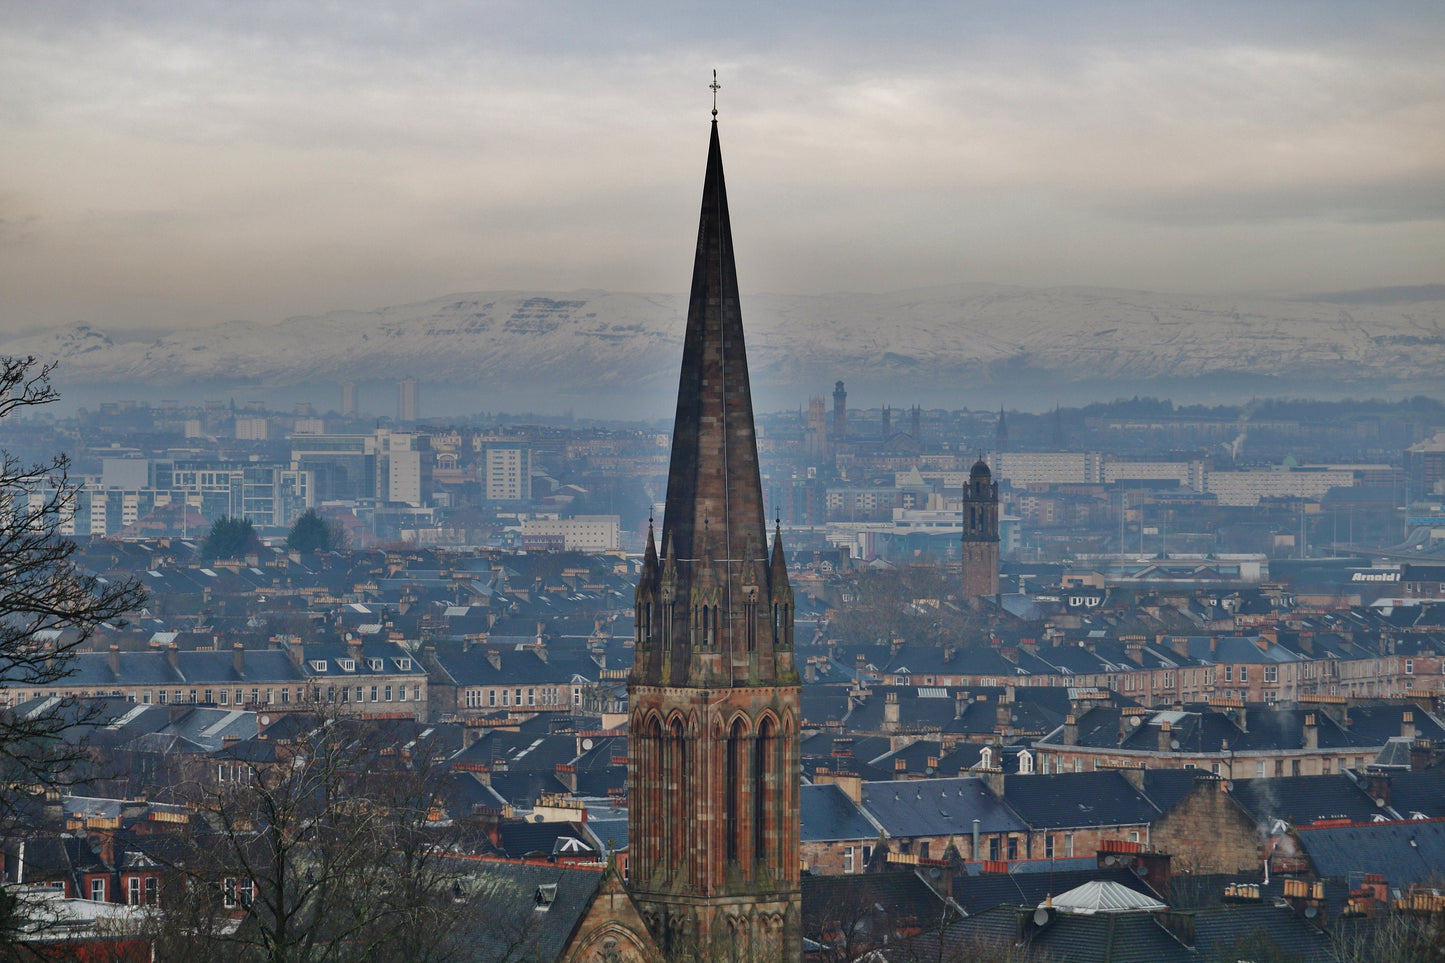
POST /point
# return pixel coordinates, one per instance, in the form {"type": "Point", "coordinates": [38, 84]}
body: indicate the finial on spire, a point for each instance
{"type": "Point", "coordinates": [715, 88]}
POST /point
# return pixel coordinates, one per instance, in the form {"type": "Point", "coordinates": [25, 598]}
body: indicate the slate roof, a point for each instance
{"type": "Point", "coordinates": [880, 901]}
{"type": "Point", "coordinates": [829, 814]}
{"type": "Point", "coordinates": [1403, 852]}
{"type": "Point", "coordinates": [1300, 800]}
{"type": "Point", "coordinates": [938, 807]}
{"type": "Point", "coordinates": [987, 890]}
{"type": "Point", "coordinates": [1418, 792]}
{"type": "Point", "coordinates": [509, 923]}
{"type": "Point", "coordinates": [1073, 800]}
{"type": "Point", "coordinates": [193, 668]}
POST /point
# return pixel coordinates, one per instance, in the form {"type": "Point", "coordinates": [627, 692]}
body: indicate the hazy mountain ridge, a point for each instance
{"type": "Point", "coordinates": [607, 341]}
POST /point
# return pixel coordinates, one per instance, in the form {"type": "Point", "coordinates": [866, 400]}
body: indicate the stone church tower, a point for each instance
{"type": "Point", "coordinates": [980, 535]}
{"type": "Point", "coordinates": [713, 698]}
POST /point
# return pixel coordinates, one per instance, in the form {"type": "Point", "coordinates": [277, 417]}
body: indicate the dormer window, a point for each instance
{"type": "Point", "coordinates": [347, 665]}
{"type": "Point", "coordinates": [376, 665]}
{"type": "Point", "coordinates": [546, 894]}
{"type": "Point", "coordinates": [403, 665]}
{"type": "Point", "coordinates": [319, 665]}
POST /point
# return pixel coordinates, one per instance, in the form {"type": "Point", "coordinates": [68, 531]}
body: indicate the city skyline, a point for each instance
{"type": "Point", "coordinates": [170, 167]}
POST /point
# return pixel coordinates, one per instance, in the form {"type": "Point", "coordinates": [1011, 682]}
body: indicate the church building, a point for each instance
{"type": "Point", "coordinates": [713, 698]}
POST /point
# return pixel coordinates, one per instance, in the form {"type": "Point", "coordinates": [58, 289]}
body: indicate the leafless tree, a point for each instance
{"type": "Point", "coordinates": [329, 850]}
{"type": "Point", "coordinates": [49, 607]}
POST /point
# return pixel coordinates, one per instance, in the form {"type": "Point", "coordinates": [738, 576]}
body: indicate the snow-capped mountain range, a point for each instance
{"type": "Point", "coordinates": [603, 342]}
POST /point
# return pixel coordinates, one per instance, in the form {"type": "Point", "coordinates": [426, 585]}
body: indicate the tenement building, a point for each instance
{"type": "Point", "coordinates": [713, 760]}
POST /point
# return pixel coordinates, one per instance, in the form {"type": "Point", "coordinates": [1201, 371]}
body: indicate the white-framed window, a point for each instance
{"type": "Point", "coordinates": [388, 693]}
{"type": "Point", "coordinates": [491, 697]}
{"type": "Point", "coordinates": [1244, 673]}
{"type": "Point", "coordinates": [1068, 845]}
{"type": "Point", "coordinates": [848, 857]}
{"type": "Point", "coordinates": [1133, 835]}
{"type": "Point", "coordinates": [319, 665]}
{"type": "Point", "coordinates": [374, 690]}
{"type": "Point", "coordinates": [376, 665]}
{"type": "Point", "coordinates": [1409, 666]}
{"type": "Point", "coordinates": [1271, 673]}
{"type": "Point", "coordinates": [346, 665]}
{"type": "Point", "coordinates": [404, 664]}
{"type": "Point", "coordinates": [132, 891]}
{"type": "Point", "coordinates": [97, 889]}
{"type": "Point", "coordinates": [225, 696]}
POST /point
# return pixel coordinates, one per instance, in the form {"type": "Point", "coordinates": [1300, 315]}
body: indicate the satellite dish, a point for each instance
{"type": "Point", "coordinates": [264, 720]}
{"type": "Point", "coordinates": [1135, 720]}
{"type": "Point", "coordinates": [1111, 860]}
{"type": "Point", "coordinates": [1311, 912]}
{"type": "Point", "coordinates": [1379, 801]}
{"type": "Point", "coordinates": [1173, 743]}
{"type": "Point", "coordinates": [1141, 870]}
{"type": "Point", "coordinates": [1041, 917]}
{"type": "Point", "coordinates": [586, 744]}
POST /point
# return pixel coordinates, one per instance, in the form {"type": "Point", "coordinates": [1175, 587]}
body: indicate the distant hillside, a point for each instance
{"type": "Point", "coordinates": [598, 343]}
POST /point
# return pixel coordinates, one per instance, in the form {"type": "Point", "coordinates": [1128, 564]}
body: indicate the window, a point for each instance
{"type": "Point", "coordinates": [132, 894]}
{"type": "Point", "coordinates": [1244, 673]}
{"type": "Point", "coordinates": [505, 697]}
{"type": "Point", "coordinates": [416, 692]}
{"type": "Point", "coordinates": [1049, 846]}
{"type": "Point", "coordinates": [1259, 769]}
{"type": "Point", "coordinates": [152, 890]}
{"type": "Point", "coordinates": [1409, 666]}
{"type": "Point", "coordinates": [1229, 673]}
{"type": "Point", "coordinates": [146, 697]}
{"type": "Point", "coordinates": [388, 693]}
{"type": "Point", "coordinates": [346, 665]}
{"type": "Point", "coordinates": [993, 849]}
{"type": "Point", "coordinates": [1013, 847]}
{"type": "Point", "coordinates": [848, 859]}
{"type": "Point", "coordinates": [358, 694]}
{"type": "Point", "coordinates": [376, 665]}
{"type": "Point", "coordinates": [1294, 767]}
{"type": "Point", "coordinates": [374, 690]}
{"type": "Point", "coordinates": [225, 696]}
{"type": "Point", "coordinates": [97, 890]}
{"type": "Point", "coordinates": [1068, 845]}
{"type": "Point", "coordinates": [518, 700]}
{"type": "Point", "coordinates": [228, 892]}
{"type": "Point", "coordinates": [162, 695]}
{"type": "Point", "coordinates": [285, 697]}
{"type": "Point", "coordinates": [319, 665]}
{"type": "Point", "coordinates": [531, 697]}
{"type": "Point", "coordinates": [1271, 673]}
{"type": "Point", "coordinates": [404, 665]}
{"type": "Point", "coordinates": [270, 696]}
{"type": "Point", "coordinates": [491, 697]}
{"type": "Point", "coordinates": [206, 697]}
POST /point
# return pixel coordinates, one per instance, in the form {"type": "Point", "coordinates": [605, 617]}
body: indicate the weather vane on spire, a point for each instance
{"type": "Point", "coordinates": [715, 86]}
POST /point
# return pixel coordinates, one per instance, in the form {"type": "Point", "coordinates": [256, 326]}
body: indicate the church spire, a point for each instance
{"type": "Point", "coordinates": [714, 488]}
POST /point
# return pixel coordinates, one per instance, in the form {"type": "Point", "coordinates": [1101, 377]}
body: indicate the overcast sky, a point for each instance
{"type": "Point", "coordinates": [171, 163]}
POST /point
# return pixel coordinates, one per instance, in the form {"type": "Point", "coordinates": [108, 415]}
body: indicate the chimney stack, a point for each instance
{"type": "Point", "coordinates": [1407, 724]}
{"type": "Point", "coordinates": [115, 660]}
{"type": "Point", "coordinates": [238, 660]}
{"type": "Point", "coordinates": [173, 656]}
{"type": "Point", "coordinates": [1312, 732]}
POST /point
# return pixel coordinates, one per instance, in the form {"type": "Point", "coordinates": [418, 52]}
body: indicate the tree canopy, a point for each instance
{"type": "Point", "coordinates": [311, 533]}
{"type": "Point", "coordinates": [230, 538]}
